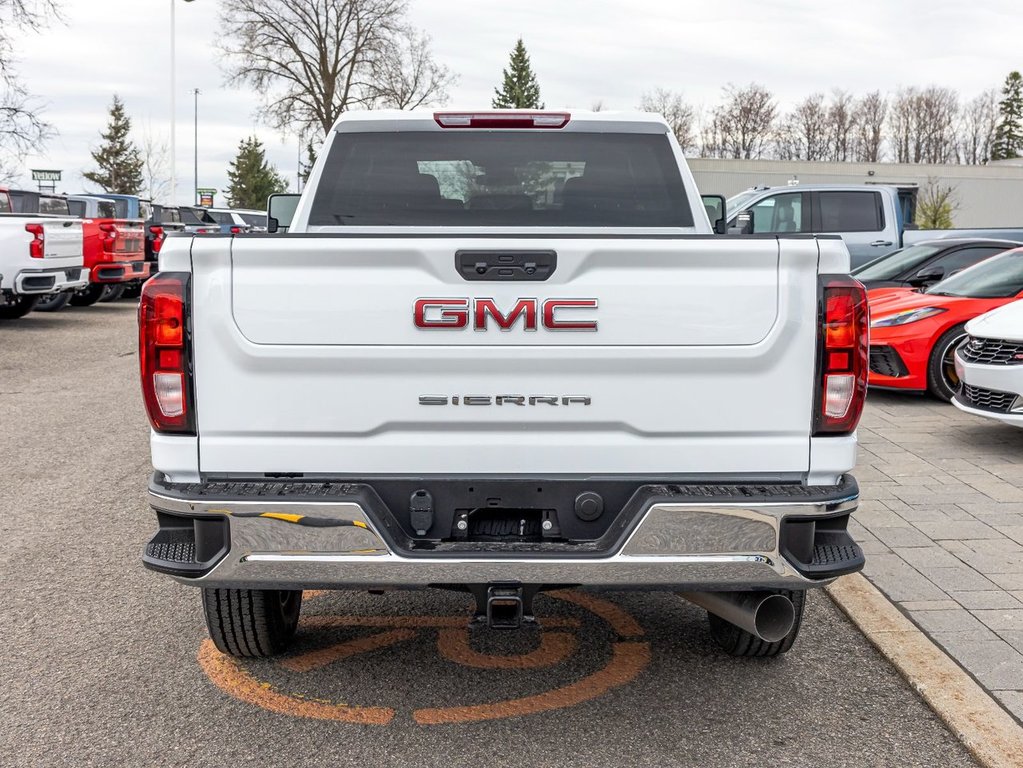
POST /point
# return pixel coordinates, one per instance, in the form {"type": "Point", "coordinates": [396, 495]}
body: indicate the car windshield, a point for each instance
{"type": "Point", "coordinates": [997, 278]}
{"type": "Point", "coordinates": [896, 263]}
{"type": "Point", "coordinates": [738, 202]}
{"type": "Point", "coordinates": [193, 216]}
{"type": "Point", "coordinates": [254, 219]}
{"type": "Point", "coordinates": [145, 210]}
{"type": "Point", "coordinates": [5, 203]}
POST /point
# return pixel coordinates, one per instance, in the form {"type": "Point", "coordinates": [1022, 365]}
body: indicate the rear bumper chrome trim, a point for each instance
{"type": "Point", "coordinates": [60, 281]}
{"type": "Point", "coordinates": [695, 546]}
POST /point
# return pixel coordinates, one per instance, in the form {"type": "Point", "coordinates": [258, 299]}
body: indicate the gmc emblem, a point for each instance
{"type": "Point", "coordinates": [457, 314]}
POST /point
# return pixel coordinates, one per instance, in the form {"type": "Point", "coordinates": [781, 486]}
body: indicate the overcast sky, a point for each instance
{"type": "Point", "coordinates": [583, 51]}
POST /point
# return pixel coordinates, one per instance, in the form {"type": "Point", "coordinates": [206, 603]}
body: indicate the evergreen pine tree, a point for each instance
{"type": "Point", "coordinates": [252, 179]}
{"type": "Point", "coordinates": [1009, 133]}
{"type": "Point", "coordinates": [519, 89]}
{"type": "Point", "coordinates": [119, 162]}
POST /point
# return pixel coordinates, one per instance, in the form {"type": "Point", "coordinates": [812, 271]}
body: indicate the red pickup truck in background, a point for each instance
{"type": "Point", "coordinates": [113, 248]}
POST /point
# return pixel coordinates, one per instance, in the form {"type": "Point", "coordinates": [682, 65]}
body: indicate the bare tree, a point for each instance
{"type": "Point", "coordinates": [923, 125]}
{"type": "Point", "coordinates": [315, 59]}
{"type": "Point", "coordinates": [408, 77]}
{"type": "Point", "coordinates": [597, 106]}
{"type": "Point", "coordinates": [842, 118]}
{"type": "Point", "coordinates": [21, 126]}
{"type": "Point", "coordinates": [709, 140]}
{"type": "Point", "coordinates": [743, 124]}
{"type": "Point", "coordinates": [977, 131]}
{"type": "Point", "coordinates": [869, 116]}
{"type": "Point", "coordinates": [937, 123]}
{"type": "Point", "coordinates": [805, 132]}
{"type": "Point", "coordinates": [679, 115]}
{"type": "Point", "coordinates": [156, 165]}
{"type": "Point", "coordinates": [903, 127]}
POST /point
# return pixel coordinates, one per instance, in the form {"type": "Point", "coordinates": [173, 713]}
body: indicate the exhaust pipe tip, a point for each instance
{"type": "Point", "coordinates": [767, 615]}
{"type": "Point", "coordinates": [774, 618]}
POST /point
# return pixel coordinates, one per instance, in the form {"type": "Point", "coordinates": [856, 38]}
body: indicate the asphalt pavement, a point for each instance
{"type": "Point", "coordinates": [104, 663]}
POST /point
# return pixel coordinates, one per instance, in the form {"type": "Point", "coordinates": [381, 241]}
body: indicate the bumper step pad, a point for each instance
{"type": "Point", "coordinates": [186, 546]}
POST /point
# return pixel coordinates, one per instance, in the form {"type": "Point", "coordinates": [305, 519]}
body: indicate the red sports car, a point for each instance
{"type": "Point", "coordinates": [913, 334]}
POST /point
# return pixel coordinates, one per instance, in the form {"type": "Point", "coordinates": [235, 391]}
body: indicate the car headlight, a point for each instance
{"type": "Point", "coordinates": [907, 317]}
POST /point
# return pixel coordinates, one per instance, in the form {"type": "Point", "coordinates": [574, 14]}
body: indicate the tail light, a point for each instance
{"type": "Point", "coordinates": [109, 235]}
{"type": "Point", "coordinates": [502, 119]}
{"type": "Point", "coordinates": [843, 354]}
{"type": "Point", "coordinates": [165, 354]}
{"type": "Point", "coordinates": [236, 230]}
{"type": "Point", "coordinates": [158, 236]}
{"type": "Point", "coordinates": [37, 245]}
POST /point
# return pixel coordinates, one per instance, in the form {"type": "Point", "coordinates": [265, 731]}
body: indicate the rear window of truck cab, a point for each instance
{"type": "Point", "coordinates": [842, 211]}
{"type": "Point", "coordinates": [500, 178]}
{"type": "Point", "coordinates": [54, 205]}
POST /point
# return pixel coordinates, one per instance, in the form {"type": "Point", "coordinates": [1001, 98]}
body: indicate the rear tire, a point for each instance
{"type": "Point", "coordinates": [86, 297]}
{"type": "Point", "coordinates": [942, 381]}
{"type": "Point", "coordinates": [16, 307]}
{"type": "Point", "coordinates": [738, 642]}
{"type": "Point", "coordinates": [53, 302]}
{"type": "Point", "coordinates": [251, 622]}
{"type": "Point", "coordinates": [113, 292]}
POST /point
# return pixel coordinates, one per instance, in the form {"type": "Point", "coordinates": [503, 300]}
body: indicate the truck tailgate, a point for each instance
{"type": "Point", "coordinates": [307, 358]}
{"type": "Point", "coordinates": [62, 240]}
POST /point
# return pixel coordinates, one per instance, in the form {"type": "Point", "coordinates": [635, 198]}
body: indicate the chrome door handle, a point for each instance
{"type": "Point", "coordinates": [881, 243]}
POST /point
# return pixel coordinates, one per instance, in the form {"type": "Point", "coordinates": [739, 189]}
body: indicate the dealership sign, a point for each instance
{"type": "Point", "coordinates": [45, 175]}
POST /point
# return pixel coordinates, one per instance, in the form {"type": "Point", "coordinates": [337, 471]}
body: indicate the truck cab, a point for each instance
{"type": "Point", "coordinates": [868, 218]}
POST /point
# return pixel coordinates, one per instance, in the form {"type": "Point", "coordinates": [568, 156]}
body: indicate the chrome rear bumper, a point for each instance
{"type": "Point", "coordinates": [280, 544]}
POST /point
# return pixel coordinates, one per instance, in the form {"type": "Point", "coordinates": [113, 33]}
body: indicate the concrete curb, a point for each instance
{"type": "Point", "coordinates": [987, 730]}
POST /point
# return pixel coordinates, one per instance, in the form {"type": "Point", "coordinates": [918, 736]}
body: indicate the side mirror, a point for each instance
{"type": "Point", "coordinates": [714, 205]}
{"type": "Point", "coordinates": [927, 276]}
{"type": "Point", "coordinates": [280, 210]}
{"type": "Point", "coordinates": [742, 224]}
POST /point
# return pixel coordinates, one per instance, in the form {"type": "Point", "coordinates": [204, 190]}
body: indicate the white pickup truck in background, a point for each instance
{"type": "Point", "coordinates": [39, 255]}
{"type": "Point", "coordinates": [502, 352]}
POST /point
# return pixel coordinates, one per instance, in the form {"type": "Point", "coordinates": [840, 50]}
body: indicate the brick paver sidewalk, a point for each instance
{"type": "Point", "coordinates": [941, 522]}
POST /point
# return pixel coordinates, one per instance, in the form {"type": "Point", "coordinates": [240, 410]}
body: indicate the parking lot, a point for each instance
{"type": "Point", "coordinates": [106, 664]}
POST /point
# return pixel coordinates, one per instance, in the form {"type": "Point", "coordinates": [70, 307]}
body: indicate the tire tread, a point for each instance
{"type": "Point", "coordinates": [249, 622]}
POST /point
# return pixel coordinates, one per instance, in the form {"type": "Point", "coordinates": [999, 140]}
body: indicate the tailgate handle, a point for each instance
{"type": "Point", "coordinates": [504, 265]}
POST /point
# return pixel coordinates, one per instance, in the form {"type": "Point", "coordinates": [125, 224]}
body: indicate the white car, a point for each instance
{"type": "Point", "coordinates": [990, 365]}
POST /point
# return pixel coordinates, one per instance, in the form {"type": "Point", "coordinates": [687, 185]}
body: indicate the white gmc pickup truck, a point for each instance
{"type": "Point", "coordinates": [503, 352]}
{"type": "Point", "coordinates": [39, 254]}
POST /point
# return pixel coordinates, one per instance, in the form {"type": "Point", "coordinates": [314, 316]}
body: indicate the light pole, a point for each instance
{"type": "Point", "coordinates": [173, 109]}
{"type": "Point", "coordinates": [195, 198]}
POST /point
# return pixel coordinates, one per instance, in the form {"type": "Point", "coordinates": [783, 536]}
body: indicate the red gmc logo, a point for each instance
{"type": "Point", "coordinates": [457, 314]}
